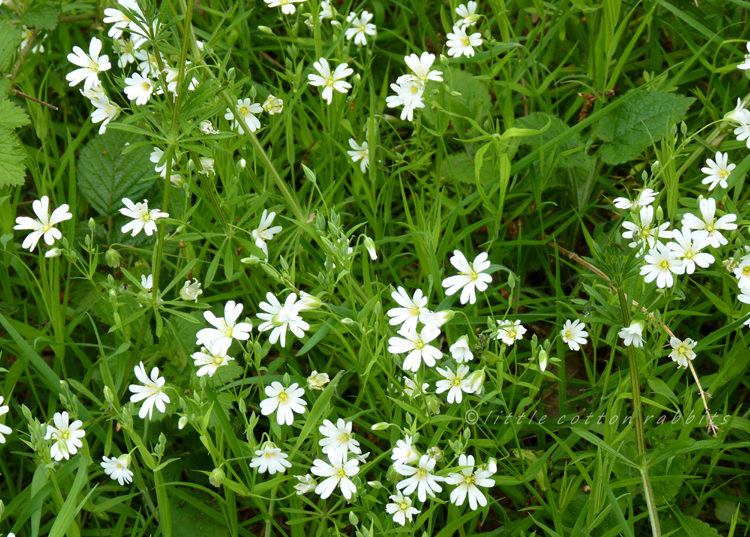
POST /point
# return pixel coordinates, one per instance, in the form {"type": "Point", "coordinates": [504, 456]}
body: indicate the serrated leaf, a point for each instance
{"type": "Point", "coordinates": [10, 36]}
{"type": "Point", "coordinates": [687, 526]}
{"type": "Point", "coordinates": [12, 159]}
{"type": "Point", "coordinates": [12, 116]}
{"type": "Point", "coordinates": [106, 176]}
{"type": "Point", "coordinates": [460, 167]}
{"type": "Point", "coordinates": [667, 478]}
{"type": "Point", "coordinates": [630, 129]}
{"type": "Point", "coordinates": [42, 17]}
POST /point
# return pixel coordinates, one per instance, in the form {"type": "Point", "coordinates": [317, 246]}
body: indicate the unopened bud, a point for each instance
{"type": "Point", "coordinates": [217, 477]}
{"type": "Point", "coordinates": [183, 421]}
{"type": "Point", "coordinates": [380, 426]}
{"type": "Point", "coordinates": [231, 73]}
{"type": "Point", "coordinates": [317, 381]}
{"type": "Point", "coordinates": [55, 252]}
{"type": "Point", "coordinates": [113, 258]}
{"type": "Point", "coordinates": [108, 395]}
{"type": "Point", "coordinates": [543, 359]}
{"type": "Point", "coordinates": [265, 30]}
{"type": "Point", "coordinates": [370, 246]}
{"type": "Point", "coordinates": [353, 520]}
{"type": "Point", "coordinates": [437, 319]}
{"type": "Point", "coordinates": [92, 224]}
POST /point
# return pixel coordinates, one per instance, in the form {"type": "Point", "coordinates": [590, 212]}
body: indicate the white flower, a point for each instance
{"type": "Point", "coordinates": [139, 88]}
{"type": "Point", "coordinates": [743, 133]}
{"type": "Point", "coordinates": [717, 171]}
{"type": "Point", "coordinates": [284, 401]}
{"type": "Point", "coordinates": [127, 53]}
{"type": "Point", "coordinates": [117, 468]}
{"type": "Point", "coordinates": [209, 360]}
{"type": "Point", "coordinates": [416, 344]}
{"type": "Point", "coordinates": [410, 310]}
{"type": "Point", "coordinates": [412, 390]}
{"type": "Point", "coordinates": [422, 479]}
{"type": "Point", "coordinates": [306, 484]}
{"type": "Point", "coordinates": [149, 63]}
{"type": "Point", "coordinates": [744, 297]}
{"type": "Point", "coordinates": [462, 44]}
{"type": "Point", "coordinates": [152, 391]}
{"type": "Point", "coordinates": [278, 318]}
{"type": "Point", "coordinates": [273, 105]}
{"type": "Point", "coordinates": [471, 277]}
{"type": "Point", "coordinates": [191, 291]}
{"type": "Point", "coordinates": [325, 10]}
{"type": "Point", "coordinates": [338, 437]}
{"type": "Point", "coordinates": [467, 14]}
{"type": "Point", "coordinates": [742, 272]}
{"type": "Point", "coordinates": [633, 334]}
{"type": "Point", "coordinates": [105, 111]}
{"type": "Point", "coordinates": [359, 152]}
{"type": "Point", "coordinates": [147, 282]}
{"type": "Point", "coordinates": [645, 198]}
{"type": "Point", "coordinates": [172, 74]}
{"type": "Point", "coordinates": [90, 64]}
{"type": "Point", "coordinates": [574, 334]}
{"type": "Point", "coordinates": [687, 247]}
{"type": "Point", "coordinates": [436, 319]}
{"type": "Point", "coordinates": [461, 351]}
{"type": "Point", "coordinates": [709, 226]}
{"type": "Point", "coordinates": [287, 7]}
{"type": "Point", "coordinates": [317, 381]}
{"type": "Point", "coordinates": [661, 263]}
{"type": "Point", "coordinates": [265, 231]}
{"type": "Point", "coordinates": [247, 109]}
{"type": "Point", "coordinates": [360, 28]}
{"type": "Point", "coordinates": [682, 351]}
{"type": "Point", "coordinates": [206, 127]}
{"type": "Point", "coordinates": [739, 114]}
{"type": "Point", "coordinates": [225, 328]}
{"type": "Point", "coordinates": [643, 235]}
{"type": "Point", "coordinates": [405, 452]}
{"type": "Point", "coordinates": [409, 91]}
{"type": "Point", "coordinates": [331, 81]}
{"type": "Point", "coordinates": [420, 67]}
{"type": "Point", "coordinates": [67, 436]}
{"type": "Point", "coordinates": [401, 508]}
{"type": "Point", "coordinates": [143, 219]}
{"type": "Point", "coordinates": [746, 62]}
{"type": "Point", "coordinates": [270, 459]}
{"type": "Point", "coordinates": [4, 429]}
{"type": "Point", "coordinates": [119, 20]}
{"type": "Point", "coordinates": [44, 224]}
{"type": "Point", "coordinates": [338, 473]}
{"type": "Point", "coordinates": [510, 331]}
{"type": "Point", "coordinates": [455, 383]}
{"type": "Point", "coordinates": [467, 482]}
{"type": "Point", "coordinates": [207, 166]}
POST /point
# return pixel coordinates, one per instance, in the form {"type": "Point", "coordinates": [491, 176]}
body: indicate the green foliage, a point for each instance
{"type": "Point", "coordinates": [109, 172]}
{"type": "Point", "coordinates": [42, 16]}
{"type": "Point", "coordinates": [12, 155]}
{"type": "Point", "coordinates": [10, 37]}
{"type": "Point", "coordinates": [633, 127]}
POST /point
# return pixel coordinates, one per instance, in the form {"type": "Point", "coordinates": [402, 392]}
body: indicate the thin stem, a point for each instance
{"type": "Point", "coordinates": [640, 438]}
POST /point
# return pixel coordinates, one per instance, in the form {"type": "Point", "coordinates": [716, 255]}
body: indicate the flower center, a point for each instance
{"type": "Point", "coordinates": [469, 481]}
{"type": "Point", "coordinates": [456, 381]}
{"type": "Point", "coordinates": [268, 455]}
{"type": "Point", "coordinates": [93, 66]}
{"type": "Point", "coordinates": [403, 506]}
{"type": "Point", "coordinates": [465, 42]}
{"type": "Point", "coordinates": [512, 333]}
{"type": "Point", "coordinates": [414, 311]}
{"type": "Point", "coordinates": [421, 474]}
{"type": "Point", "coordinates": [362, 27]}
{"type": "Point", "coordinates": [244, 111]}
{"type": "Point", "coordinates": [664, 265]}
{"type": "Point", "coordinates": [746, 270]}
{"type": "Point", "coordinates": [146, 86]}
{"type": "Point", "coordinates": [682, 349]}
{"type": "Point", "coordinates": [340, 473]}
{"type": "Point", "coordinates": [64, 435]}
{"type": "Point", "coordinates": [414, 90]}
{"type": "Point", "coordinates": [723, 174]}
{"type": "Point", "coordinates": [689, 253]}
{"type": "Point", "coordinates": [46, 227]}
{"type": "Point", "coordinates": [330, 81]}
{"type": "Point", "coordinates": [568, 334]}
{"type": "Point", "coordinates": [419, 344]}
{"type": "Point", "coordinates": [218, 360]}
{"type": "Point", "coordinates": [283, 397]}
{"type": "Point", "coordinates": [710, 226]}
{"type": "Point", "coordinates": [343, 439]}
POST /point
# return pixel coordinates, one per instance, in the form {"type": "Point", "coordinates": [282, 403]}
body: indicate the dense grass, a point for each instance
{"type": "Point", "coordinates": [534, 107]}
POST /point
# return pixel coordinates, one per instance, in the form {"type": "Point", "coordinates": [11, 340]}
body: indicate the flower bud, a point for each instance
{"type": "Point", "coordinates": [380, 426]}
{"type": "Point", "coordinates": [435, 453]}
{"type": "Point", "coordinates": [113, 258]}
{"type": "Point", "coordinates": [252, 260]}
{"type": "Point", "coordinates": [543, 359]}
{"type": "Point", "coordinates": [375, 484]}
{"type": "Point", "coordinates": [306, 484]}
{"type": "Point", "coordinates": [241, 164]}
{"type": "Point", "coordinates": [231, 73]}
{"type": "Point", "coordinates": [308, 302]}
{"type": "Point", "coordinates": [434, 404]}
{"type": "Point", "coordinates": [437, 319]}
{"type": "Point", "coordinates": [476, 380]}
{"type": "Point", "coordinates": [55, 252]}
{"type": "Point", "coordinates": [206, 127]}
{"type": "Point", "coordinates": [108, 395]}
{"type": "Point", "coordinates": [370, 247]}
{"type": "Point", "coordinates": [191, 291]}
{"type": "Point", "coordinates": [92, 224]}
{"type": "Point", "coordinates": [265, 30]}
{"type": "Point", "coordinates": [216, 477]}
{"type": "Point", "coordinates": [317, 381]}
{"type": "Point", "coordinates": [183, 421]}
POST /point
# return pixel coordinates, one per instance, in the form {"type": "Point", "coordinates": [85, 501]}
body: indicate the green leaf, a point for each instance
{"type": "Point", "coordinates": [687, 526]}
{"type": "Point", "coordinates": [630, 129]}
{"type": "Point", "coordinates": [70, 508]}
{"type": "Point", "coordinates": [12, 159]}
{"type": "Point", "coordinates": [725, 510]}
{"type": "Point", "coordinates": [10, 37]}
{"type": "Point", "coordinates": [461, 168]}
{"type": "Point", "coordinates": [106, 176]}
{"type": "Point", "coordinates": [42, 17]}
{"type": "Point", "coordinates": [573, 145]}
{"type": "Point", "coordinates": [12, 116]}
{"type": "Point", "coordinates": [667, 478]}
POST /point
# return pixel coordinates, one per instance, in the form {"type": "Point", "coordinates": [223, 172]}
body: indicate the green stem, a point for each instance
{"type": "Point", "coordinates": [635, 387]}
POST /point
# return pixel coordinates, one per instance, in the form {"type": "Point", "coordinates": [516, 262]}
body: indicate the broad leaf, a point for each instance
{"type": "Point", "coordinates": [42, 17]}
{"type": "Point", "coordinates": [12, 116]}
{"type": "Point", "coordinates": [10, 36]}
{"type": "Point", "coordinates": [630, 129]}
{"type": "Point", "coordinates": [12, 159]}
{"type": "Point", "coordinates": [106, 176]}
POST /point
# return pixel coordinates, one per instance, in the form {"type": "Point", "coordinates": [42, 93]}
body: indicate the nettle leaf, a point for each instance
{"type": "Point", "coordinates": [12, 116]}
{"type": "Point", "coordinates": [106, 176]}
{"type": "Point", "coordinates": [538, 121]}
{"type": "Point", "coordinates": [630, 129]}
{"type": "Point", "coordinates": [696, 527]}
{"type": "Point", "coordinates": [460, 167]}
{"type": "Point", "coordinates": [42, 17]}
{"type": "Point", "coordinates": [10, 36]}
